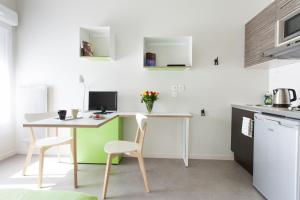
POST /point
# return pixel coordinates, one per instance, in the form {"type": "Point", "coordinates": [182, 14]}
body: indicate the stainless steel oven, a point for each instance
{"type": "Point", "coordinates": [289, 27]}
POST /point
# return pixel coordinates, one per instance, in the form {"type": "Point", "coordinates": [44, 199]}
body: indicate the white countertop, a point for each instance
{"type": "Point", "coordinates": [270, 110]}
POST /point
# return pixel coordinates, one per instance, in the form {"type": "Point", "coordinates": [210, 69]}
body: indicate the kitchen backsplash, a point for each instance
{"type": "Point", "coordinates": [286, 77]}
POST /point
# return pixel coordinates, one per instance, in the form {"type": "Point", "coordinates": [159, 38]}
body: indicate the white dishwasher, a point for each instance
{"type": "Point", "coordinates": [276, 157]}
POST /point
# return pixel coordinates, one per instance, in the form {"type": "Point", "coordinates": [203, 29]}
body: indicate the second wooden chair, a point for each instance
{"type": "Point", "coordinates": [133, 149]}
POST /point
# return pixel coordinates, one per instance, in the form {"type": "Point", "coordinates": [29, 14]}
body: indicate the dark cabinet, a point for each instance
{"type": "Point", "coordinates": [241, 145]}
{"type": "Point", "coordinates": [284, 7]}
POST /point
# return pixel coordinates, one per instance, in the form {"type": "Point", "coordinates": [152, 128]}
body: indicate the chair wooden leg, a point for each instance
{"type": "Point", "coordinates": [143, 170]}
{"type": "Point", "coordinates": [28, 159]}
{"type": "Point", "coordinates": [106, 177]}
{"type": "Point", "coordinates": [58, 153]}
{"type": "Point", "coordinates": [58, 147]}
{"type": "Point", "coordinates": [41, 166]}
{"type": "Point", "coordinates": [72, 151]}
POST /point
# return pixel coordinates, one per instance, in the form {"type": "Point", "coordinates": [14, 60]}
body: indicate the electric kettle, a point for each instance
{"type": "Point", "coordinates": [283, 97]}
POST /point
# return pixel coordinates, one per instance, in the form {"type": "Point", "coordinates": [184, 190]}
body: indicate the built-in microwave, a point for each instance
{"type": "Point", "coordinates": [289, 27]}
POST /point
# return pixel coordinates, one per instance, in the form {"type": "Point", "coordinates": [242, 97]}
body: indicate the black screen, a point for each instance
{"type": "Point", "coordinates": [108, 100]}
{"type": "Point", "coordinates": [292, 26]}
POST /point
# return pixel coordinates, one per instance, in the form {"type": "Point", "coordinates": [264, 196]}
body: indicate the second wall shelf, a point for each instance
{"type": "Point", "coordinates": [169, 51]}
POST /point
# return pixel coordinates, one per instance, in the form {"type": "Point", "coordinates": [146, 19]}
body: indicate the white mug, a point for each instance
{"type": "Point", "coordinates": [74, 113]}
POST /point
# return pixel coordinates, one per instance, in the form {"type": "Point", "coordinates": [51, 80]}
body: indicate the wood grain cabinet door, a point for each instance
{"type": "Point", "coordinates": [260, 35]}
{"type": "Point", "coordinates": [285, 7]}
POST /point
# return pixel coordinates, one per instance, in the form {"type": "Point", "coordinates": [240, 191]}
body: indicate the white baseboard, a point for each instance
{"type": "Point", "coordinates": [7, 154]}
{"type": "Point", "coordinates": [158, 155]}
{"type": "Point", "coordinates": [191, 156]}
{"type": "Point", "coordinates": [211, 157]}
{"type": "Point", "coordinates": [166, 156]}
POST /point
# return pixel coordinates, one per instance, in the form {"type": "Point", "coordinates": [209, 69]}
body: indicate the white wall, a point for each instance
{"type": "Point", "coordinates": [7, 125]}
{"type": "Point", "coordinates": [48, 54]}
{"type": "Point", "coordinates": [286, 77]}
{"type": "Point", "coordinates": [9, 3]}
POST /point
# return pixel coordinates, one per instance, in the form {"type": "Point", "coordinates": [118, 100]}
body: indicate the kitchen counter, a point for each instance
{"type": "Point", "coordinates": [270, 110]}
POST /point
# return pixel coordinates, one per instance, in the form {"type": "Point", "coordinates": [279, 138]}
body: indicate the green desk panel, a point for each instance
{"type": "Point", "coordinates": [91, 141]}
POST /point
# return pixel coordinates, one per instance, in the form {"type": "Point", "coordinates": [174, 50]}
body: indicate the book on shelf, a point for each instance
{"type": "Point", "coordinates": [86, 49]}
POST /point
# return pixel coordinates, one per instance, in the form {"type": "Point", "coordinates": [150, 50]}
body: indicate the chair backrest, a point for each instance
{"type": "Point", "coordinates": [141, 130]}
{"type": "Point", "coordinates": [32, 117]}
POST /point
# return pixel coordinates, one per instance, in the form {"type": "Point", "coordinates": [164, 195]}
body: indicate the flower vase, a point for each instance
{"type": "Point", "coordinates": [149, 106]}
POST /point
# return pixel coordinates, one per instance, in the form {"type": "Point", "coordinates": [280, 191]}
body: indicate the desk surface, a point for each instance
{"type": "Point", "coordinates": [170, 115]}
{"type": "Point", "coordinates": [87, 122]}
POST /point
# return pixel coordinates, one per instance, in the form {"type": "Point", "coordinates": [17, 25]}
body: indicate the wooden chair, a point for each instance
{"type": "Point", "coordinates": [133, 149]}
{"type": "Point", "coordinates": [44, 144]}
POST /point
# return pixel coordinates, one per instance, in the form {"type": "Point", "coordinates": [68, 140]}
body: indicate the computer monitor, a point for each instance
{"type": "Point", "coordinates": [104, 101]}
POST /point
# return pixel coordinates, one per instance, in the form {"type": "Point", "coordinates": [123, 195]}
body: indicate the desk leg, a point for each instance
{"type": "Point", "coordinates": [186, 133]}
{"type": "Point", "coordinates": [75, 158]}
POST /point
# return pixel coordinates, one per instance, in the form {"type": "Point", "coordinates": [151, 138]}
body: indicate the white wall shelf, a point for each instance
{"type": "Point", "coordinates": [102, 41]}
{"type": "Point", "coordinates": [169, 51]}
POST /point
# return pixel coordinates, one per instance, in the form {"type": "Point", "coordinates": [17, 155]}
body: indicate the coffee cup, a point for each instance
{"type": "Point", "coordinates": [74, 113]}
{"type": "Point", "coordinates": [62, 114]}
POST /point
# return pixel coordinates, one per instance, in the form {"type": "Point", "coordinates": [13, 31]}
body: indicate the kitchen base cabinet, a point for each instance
{"type": "Point", "coordinates": [241, 145]}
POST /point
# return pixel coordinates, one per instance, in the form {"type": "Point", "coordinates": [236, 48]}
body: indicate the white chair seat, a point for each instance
{"type": "Point", "coordinates": [52, 141]}
{"type": "Point", "coordinates": [117, 147]}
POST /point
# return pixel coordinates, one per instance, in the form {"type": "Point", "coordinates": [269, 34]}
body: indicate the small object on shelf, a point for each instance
{"type": "Point", "coordinates": [175, 68]}
{"type": "Point", "coordinates": [97, 43]}
{"type": "Point", "coordinates": [149, 97]}
{"type": "Point", "coordinates": [176, 65]}
{"type": "Point", "coordinates": [86, 49]}
{"type": "Point", "coordinates": [150, 59]}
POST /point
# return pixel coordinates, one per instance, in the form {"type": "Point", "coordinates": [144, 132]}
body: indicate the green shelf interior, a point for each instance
{"type": "Point", "coordinates": [166, 68]}
{"type": "Point", "coordinates": [97, 58]}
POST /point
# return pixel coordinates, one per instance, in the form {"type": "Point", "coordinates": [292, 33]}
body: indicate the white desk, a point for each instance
{"type": "Point", "coordinates": [185, 132]}
{"type": "Point", "coordinates": [91, 123]}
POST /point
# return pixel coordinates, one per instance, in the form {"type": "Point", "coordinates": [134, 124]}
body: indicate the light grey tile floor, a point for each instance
{"type": "Point", "coordinates": [168, 179]}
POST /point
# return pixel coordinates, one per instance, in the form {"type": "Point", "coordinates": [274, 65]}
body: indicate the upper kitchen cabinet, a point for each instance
{"type": "Point", "coordinates": [284, 7]}
{"type": "Point", "coordinates": [260, 35]}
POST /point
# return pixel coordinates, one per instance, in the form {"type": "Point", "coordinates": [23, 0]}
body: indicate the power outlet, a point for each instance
{"type": "Point", "coordinates": [174, 91]}
{"type": "Point", "coordinates": [174, 88]}
{"type": "Point", "coordinates": [203, 112]}
{"type": "Point", "coordinates": [181, 88]}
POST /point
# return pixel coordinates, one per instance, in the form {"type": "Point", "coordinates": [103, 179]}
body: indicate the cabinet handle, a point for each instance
{"type": "Point", "coordinates": [286, 3]}
{"type": "Point", "coordinates": [274, 121]}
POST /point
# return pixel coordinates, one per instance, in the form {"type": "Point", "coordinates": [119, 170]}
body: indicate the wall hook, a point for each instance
{"type": "Point", "coordinates": [216, 61]}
